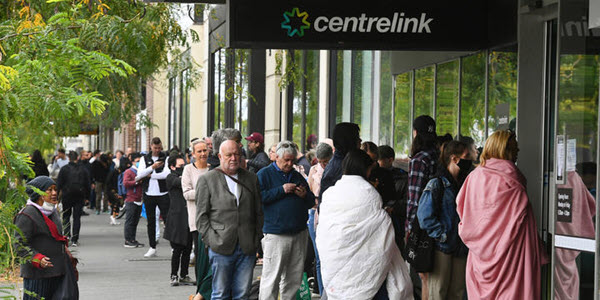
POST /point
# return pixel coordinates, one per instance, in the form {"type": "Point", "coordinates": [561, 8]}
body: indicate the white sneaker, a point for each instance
{"type": "Point", "coordinates": [151, 253]}
{"type": "Point", "coordinates": [113, 221]}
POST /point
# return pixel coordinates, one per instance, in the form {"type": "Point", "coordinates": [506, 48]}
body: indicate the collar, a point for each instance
{"type": "Point", "coordinates": [287, 176]}
{"type": "Point", "coordinates": [40, 208]}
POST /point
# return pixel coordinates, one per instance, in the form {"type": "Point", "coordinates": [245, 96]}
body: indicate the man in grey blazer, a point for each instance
{"type": "Point", "coordinates": [230, 219]}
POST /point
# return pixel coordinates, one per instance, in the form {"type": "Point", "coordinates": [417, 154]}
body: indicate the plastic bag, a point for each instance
{"type": "Point", "coordinates": [304, 291]}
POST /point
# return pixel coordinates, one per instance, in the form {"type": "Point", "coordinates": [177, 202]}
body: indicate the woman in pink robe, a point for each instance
{"type": "Point", "coordinates": [498, 226]}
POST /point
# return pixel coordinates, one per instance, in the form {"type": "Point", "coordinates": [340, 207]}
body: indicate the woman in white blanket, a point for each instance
{"type": "Point", "coordinates": [355, 239]}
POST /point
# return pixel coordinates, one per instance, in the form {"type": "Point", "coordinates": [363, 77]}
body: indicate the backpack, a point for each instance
{"type": "Point", "coordinates": [76, 183]}
{"type": "Point", "coordinates": [121, 190]}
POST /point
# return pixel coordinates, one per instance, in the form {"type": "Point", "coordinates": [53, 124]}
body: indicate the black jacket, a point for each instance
{"type": "Point", "coordinates": [99, 171]}
{"type": "Point", "coordinates": [258, 161]}
{"type": "Point", "coordinates": [213, 162]}
{"type": "Point", "coordinates": [177, 230]}
{"type": "Point", "coordinates": [74, 182]}
{"type": "Point", "coordinates": [40, 168]}
{"type": "Point", "coordinates": [36, 238]}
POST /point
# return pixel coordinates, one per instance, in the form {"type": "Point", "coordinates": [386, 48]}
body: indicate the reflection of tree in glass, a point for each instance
{"type": "Point", "coordinates": [472, 112]}
{"type": "Point", "coordinates": [447, 98]}
{"type": "Point", "coordinates": [385, 102]}
{"type": "Point", "coordinates": [424, 91]}
{"type": "Point", "coordinates": [578, 102]}
{"type": "Point", "coordinates": [502, 84]}
{"type": "Point", "coordinates": [402, 121]}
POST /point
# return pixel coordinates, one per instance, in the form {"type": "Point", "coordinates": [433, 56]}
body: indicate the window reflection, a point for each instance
{"type": "Point", "coordinates": [502, 86]}
{"type": "Point", "coordinates": [447, 98]}
{"type": "Point", "coordinates": [424, 91]}
{"type": "Point", "coordinates": [402, 117]}
{"type": "Point", "coordinates": [472, 110]}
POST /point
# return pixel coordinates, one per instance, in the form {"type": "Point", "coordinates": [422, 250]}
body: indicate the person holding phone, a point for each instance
{"type": "Point", "coordinates": [286, 200]}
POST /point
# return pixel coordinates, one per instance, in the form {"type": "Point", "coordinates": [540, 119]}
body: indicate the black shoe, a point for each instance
{"type": "Point", "coordinates": [130, 244]}
{"type": "Point", "coordinates": [139, 245]}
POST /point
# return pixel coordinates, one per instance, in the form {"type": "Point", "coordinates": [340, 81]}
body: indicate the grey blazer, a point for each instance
{"type": "Point", "coordinates": [220, 221]}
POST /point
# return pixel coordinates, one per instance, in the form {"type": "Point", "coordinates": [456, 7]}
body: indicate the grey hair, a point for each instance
{"type": "Point", "coordinates": [324, 151]}
{"type": "Point", "coordinates": [221, 135]}
{"type": "Point", "coordinates": [283, 150]}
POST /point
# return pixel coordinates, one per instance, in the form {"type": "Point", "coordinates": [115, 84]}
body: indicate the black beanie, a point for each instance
{"type": "Point", "coordinates": [424, 125]}
{"type": "Point", "coordinates": [42, 183]}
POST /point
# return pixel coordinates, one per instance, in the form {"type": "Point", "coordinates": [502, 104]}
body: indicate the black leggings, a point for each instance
{"type": "Point", "coordinates": [181, 256]}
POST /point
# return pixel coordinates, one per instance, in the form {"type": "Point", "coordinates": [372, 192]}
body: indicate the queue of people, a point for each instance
{"type": "Point", "coordinates": [348, 211]}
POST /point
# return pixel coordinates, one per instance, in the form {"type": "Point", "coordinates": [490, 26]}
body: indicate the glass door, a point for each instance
{"type": "Point", "coordinates": [575, 156]}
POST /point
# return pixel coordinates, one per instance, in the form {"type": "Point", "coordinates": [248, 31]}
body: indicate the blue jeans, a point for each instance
{"type": "Point", "coordinates": [232, 274]}
{"type": "Point", "coordinates": [313, 236]}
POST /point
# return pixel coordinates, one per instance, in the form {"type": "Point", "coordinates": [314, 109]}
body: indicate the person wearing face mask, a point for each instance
{"type": "Point", "coordinates": [437, 215]}
{"type": "Point", "coordinates": [177, 230]}
{"type": "Point", "coordinates": [498, 226]}
{"type": "Point", "coordinates": [42, 246]}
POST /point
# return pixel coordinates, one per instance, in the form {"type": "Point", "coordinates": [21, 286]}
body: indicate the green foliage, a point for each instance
{"type": "Point", "coordinates": [64, 64]}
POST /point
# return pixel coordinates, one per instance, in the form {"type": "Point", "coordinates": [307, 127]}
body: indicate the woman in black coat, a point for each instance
{"type": "Point", "coordinates": [47, 263]}
{"type": "Point", "coordinates": [40, 168]}
{"type": "Point", "coordinates": [177, 230]}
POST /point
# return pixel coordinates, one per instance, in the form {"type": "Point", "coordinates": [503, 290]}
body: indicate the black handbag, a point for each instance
{"type": "Point", "coordinates": [420, 247]}
{"type": "Point", "coordinates": [68, 288]}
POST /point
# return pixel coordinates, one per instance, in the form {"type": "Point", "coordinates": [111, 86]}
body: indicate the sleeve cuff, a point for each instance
{"type": "Point", "coordinates": [35, 261]}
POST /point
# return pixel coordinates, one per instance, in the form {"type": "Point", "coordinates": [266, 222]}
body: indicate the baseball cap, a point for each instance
{"type": "Point", "coordinates": [256, 137]}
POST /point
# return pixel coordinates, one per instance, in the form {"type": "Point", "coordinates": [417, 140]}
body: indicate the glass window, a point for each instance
{"type": "Point", "coordinates": [312, 95]}
{"type": "Point", "coordinates": [241, 92]}
{"type": "Point", "coordinates": [173, 96]}
{"type": "Point", "coordinates": [343, 85]}
{"type": "Point", "coordinates": [472, 110]}
{"type": "Point", "coordinates": [306, 97]}
{"type": "Point", "coordinates": [402, 117]}
{"type": "Point", "coordinates": [385, 100]}
{"type": "Point", "coordinates": [447, 98]}
{"type": "Point", "coordinates": [362, 90]}
{"type": "Point", "coordinates": [219, 89]}
{"type": "Point", "coordinates": [184, 126]}
{"type": "Point", "coordinates": [424, 92]}
{"type": "Point", "coordinates": [502, 86]}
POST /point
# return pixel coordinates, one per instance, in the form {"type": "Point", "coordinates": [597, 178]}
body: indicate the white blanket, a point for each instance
{"type": "Point", "coordinates": [355, 239]}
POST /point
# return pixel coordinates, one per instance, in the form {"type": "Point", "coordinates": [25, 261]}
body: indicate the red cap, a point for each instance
{"type": "Point", "coordinates": [256, 137]}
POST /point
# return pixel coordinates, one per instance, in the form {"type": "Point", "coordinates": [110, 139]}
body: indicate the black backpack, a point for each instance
{"type": "Point", "coordinates": [77, 182]}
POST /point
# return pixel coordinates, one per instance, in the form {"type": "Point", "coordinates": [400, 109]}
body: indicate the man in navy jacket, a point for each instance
{"type": "Point", "coordinates": [286, 200]}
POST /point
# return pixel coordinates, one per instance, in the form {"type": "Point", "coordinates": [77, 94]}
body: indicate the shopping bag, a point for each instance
{"type": "Point", "coordinates": [304, 291]}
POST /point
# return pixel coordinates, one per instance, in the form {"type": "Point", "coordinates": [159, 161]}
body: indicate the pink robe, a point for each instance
{"type": "Point", "coordinates": [566, 274]}
{"type": "Point", "coordinates": [498, 226]}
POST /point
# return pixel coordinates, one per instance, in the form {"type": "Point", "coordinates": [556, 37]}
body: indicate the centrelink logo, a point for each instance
{"type": "Point", "coordinates": [396, 23]}
{"type": "Point", "coordinates": [299, 16]}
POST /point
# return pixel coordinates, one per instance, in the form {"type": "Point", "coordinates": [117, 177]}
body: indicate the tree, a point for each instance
{"type": "Point", "coordinates": [69, 62]}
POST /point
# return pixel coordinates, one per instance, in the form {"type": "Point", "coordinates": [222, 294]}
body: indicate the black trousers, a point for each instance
{"type": "Point", "coordinates": [132, 218]}
{"type": "Point", "coordinates": [75, 208]}
{"type": "Point", "coordinates": [181, 256]}
{"type": "Point", "coordinates": [151, 202]}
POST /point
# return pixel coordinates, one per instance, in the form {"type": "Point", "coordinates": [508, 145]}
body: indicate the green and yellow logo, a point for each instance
{"type": "Point", "coordinates": [300, 22]}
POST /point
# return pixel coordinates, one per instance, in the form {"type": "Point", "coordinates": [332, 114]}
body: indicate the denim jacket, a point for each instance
{"type": "Point", "coordinates": [441, 223]}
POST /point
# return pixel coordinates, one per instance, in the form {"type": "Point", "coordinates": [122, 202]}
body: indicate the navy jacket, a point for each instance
{"type": "Point", "coordinates": [284, 213]}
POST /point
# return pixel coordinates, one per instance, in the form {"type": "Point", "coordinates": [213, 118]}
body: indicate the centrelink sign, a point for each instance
{"type": "Point", "coordinates": [333, 24]}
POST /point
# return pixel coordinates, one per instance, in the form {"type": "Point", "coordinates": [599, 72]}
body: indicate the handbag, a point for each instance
{"type": "Point", "coordinates": [420, 247]}
{"type": "Point", "coordinates": [68, 288]}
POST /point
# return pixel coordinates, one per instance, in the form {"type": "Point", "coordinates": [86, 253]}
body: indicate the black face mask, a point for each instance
{"type": "Point", "coordinates": [178, 171]}
{"type": "Point", "coordinates": [465, 165]}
